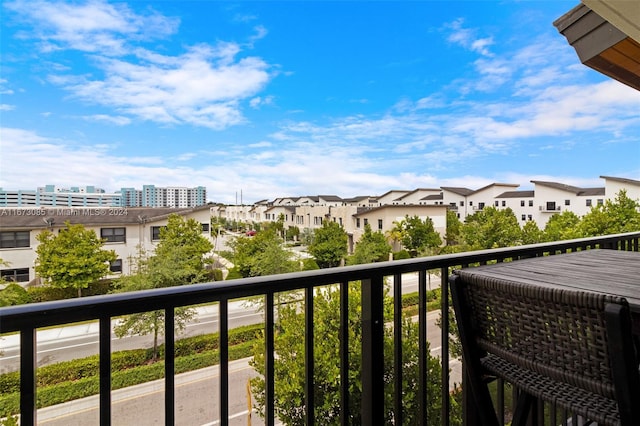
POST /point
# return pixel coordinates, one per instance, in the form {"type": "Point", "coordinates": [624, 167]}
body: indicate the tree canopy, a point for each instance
{"type": "Point", "coordinates": [72, 258]}
{"type": "Point", "coordinates": [329, 245]}
{"type": "Point", "coordinates": [371, 247]}
{"type": "Point", "coordinates": [262, 254]}
{"type": "Point", "coordinates": [614, 216]}
{"type": "Point", "coordinates": [179, 259]}
{"type": "Point", "coordinates": [491, 228]}
{"type": "Point", "coordinates": [561, 226]}
{"type": "Point", "coordinates": [416, 235]}
{"type": "Point", "coordinates": [289, 369]}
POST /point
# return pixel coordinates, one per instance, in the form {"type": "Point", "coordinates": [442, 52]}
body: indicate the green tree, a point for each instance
{"type": "Point", "coordinates": [289, 371]}
{"type": "Point", "coordinates": [371, 247]}
{"type": "Point", "coordinates": [531, 234]}
{"type": "Point", "coordinates": [454, 228]}
{"type": "Point", "coordinates": [491, 228]}
{"type": "Point", "coordinates": [417, 235]}
{"type": "Point", "coordinates": [262, 254]}
{"type": "Point", "coordinates": [613, 217]}
{"type": "Point", "coordinates": [293, 233]}
{"type": "Point", "coordinates": [179, 259]}
{"type": "Point", "coordinates": [562, 226]}
{"type": "Point", "coordinates": [329, 244]}
{"type": "Point", "coordinates": [72, 258]}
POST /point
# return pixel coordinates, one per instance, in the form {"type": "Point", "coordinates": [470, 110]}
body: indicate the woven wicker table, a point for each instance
{"type": "Point", "coordinates": [605, 271]}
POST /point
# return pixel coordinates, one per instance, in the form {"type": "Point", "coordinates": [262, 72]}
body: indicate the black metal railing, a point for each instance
{"type": "Point", "coordinates": [26, 319]}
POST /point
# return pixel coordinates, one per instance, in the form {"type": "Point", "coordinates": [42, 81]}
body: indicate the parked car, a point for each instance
{"type": "Point", "coordinates": [250, 233]}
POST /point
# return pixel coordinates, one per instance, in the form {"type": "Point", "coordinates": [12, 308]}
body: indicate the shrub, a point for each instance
{"type": "Point", "coordinates": [47, 294]}
{"type": "Point", "coordinates": [14, 294]}
{"type": "Point", "coordinates": [402, 254]}
{"type": "Point", "coordinates": [234, 274]}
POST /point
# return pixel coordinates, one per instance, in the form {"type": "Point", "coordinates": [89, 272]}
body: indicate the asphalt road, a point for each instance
{"type": "Point", "coordinates": [196, 398]}
{"type": "Point", "coordinates": [143, 404]}
{"type": "Point", "coordinates": [197, 395]}
{"type": "Point", "coordinates": [79, 341]}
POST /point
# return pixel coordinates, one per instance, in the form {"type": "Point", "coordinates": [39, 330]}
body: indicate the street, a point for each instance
{"type": "Point", "coordinates": [196, 402]}
{"type": "Point", "coordinates": [196, 392]}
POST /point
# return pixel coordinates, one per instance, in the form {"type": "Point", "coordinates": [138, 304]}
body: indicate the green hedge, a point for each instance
{"type": "Point", "coordinates": [87, 386]}
{"type": "Point", "coordinates": [48, 293]}
{"type": "Point", "coordinates": [75, 379]}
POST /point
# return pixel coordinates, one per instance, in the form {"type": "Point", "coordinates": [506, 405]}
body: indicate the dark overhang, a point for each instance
{"type": "Point", "coordinates": [607, 44]}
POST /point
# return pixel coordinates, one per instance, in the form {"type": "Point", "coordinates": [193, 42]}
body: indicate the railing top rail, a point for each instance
{"type": "Point", "coordinates": [15, 318]}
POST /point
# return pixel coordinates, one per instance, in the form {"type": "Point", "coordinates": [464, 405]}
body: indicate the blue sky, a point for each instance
{"type": "Point", "coordinates": [297, 98]}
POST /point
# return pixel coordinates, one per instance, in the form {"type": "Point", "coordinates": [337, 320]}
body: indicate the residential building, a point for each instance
{"type": "Point", "coordinates": [553, 197]}
{"type": "Point", "coordinates": [51, 195]}
{"type": "Point", "coordinates": [90, 196]}
{"type": "Point", "coordinates": [125, 229]}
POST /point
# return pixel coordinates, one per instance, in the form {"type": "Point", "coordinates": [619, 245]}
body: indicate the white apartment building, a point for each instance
{"type": "Point", "coordinates": [536, 205]}
{"type": "Point", "coordinates": [90, 196]}
{"type": "Point", "coordinates": [125, 229]}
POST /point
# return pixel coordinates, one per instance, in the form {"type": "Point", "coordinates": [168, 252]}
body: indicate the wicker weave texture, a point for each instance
{"type": "Point", "coordinates": [547, 332]}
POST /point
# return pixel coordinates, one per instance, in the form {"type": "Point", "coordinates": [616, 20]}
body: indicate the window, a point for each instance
{"type": "Point", "coordinates": [380, 224]}
{"type": "Point", "coordinates": [497, 203]}
{"type": "Point", "coordinates": [481, 206]}
{"type": "Point", "coordinates": [366, 222]}
{"type": "Point", "coordinates": [551, 205]}
{"type": "Point", "coordinates": [530, 203]}
{"type": "Point", "coordinates": [20, 275]}
{"type": "Point", "coordinates": [13, 239]}
{"type": "Point", "coordinates": [114, 235]}
{"type": "Point", "coordinates": [155, 232]}
{"type": "Point", "coordinates": [530, 217]}
{"type": "Point", "coordinates": [205, 227]}
{"type": "Point", "coordinates": [357, 222]}
{"type": "Point", "coordinates": [521, 203]}
{"type": "Point", "coordinates": [600, 201]}
{"type": "Point", "coordinates": [504, 203]}
{"type": "Point", "coordinates": [589, 203]}
{"type": "Point", "coordinates": [461, 203]}
{"type": "Point", "coordinates": [567, 202]}
{"type": "Point", "coordinates": [471, 203]}
{"type": "Point", "coordinates": [524, 217]}
{"type": "Point", "coordinates": [116, 266]}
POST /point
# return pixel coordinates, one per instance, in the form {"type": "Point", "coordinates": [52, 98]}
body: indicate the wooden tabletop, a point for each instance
{"type": "Point", "coordinates": [604, 271]}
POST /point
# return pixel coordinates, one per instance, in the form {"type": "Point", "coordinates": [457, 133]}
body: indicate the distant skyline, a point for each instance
{"type": "Point", "coordinates": [297, 98]}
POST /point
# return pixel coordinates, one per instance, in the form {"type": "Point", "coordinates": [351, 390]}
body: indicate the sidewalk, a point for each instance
{"type": "Point", "coordinates": [67, 333]}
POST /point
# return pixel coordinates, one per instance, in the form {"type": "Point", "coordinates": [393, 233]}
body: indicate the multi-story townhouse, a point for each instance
{"type": "Point", "coordinates": [554, 197]}
{"type": "Point", "coordinates": [390, 197]}
{"type": "Point", "coordinates": [521, 202]}
{"type": "Point", "coordinates": [485, 196]}
{"type": "Point", "coordinates": [613, 185]}
{"type": "Point", "coordinates": [456, 199]}
{"type": "Point", "coordinates": [125, 230]}
{"type": "Point", "coordinates": [382, 219]}
{"type": "Point", "coordinates": [419, 196]}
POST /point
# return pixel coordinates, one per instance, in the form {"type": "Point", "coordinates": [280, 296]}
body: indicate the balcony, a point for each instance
{"type": "Point", "coordinates": [549, 209]}
{"type": "Point", "coordinates": [26, 319]}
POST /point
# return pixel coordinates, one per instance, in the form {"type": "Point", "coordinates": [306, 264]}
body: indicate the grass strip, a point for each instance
{"type": "Point", "coordinates": [75, 379]}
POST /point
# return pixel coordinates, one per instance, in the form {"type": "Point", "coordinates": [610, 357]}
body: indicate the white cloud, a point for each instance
{"type": "Point", "coordinates": [202, 86]}
{"type": "Point", "coordinates": [117, 120]}
{"type": "Point", "coordinates": [96, 26]}
{"type": "Point", "coordinates": [467, 37]}
{"type": "Point", "coordinates": [7, 107]}
{"type": "Point", "coordinates": [258, 101]}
